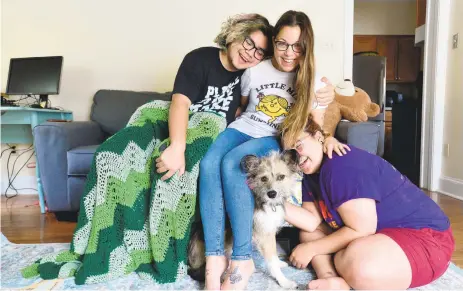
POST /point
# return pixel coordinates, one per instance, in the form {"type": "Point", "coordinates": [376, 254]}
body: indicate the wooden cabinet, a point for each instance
{"type": "Point", "coordinates": [403, 58]}
{"type": "Point", "coordinates": [387, 47]}
{"type": "Point", "coordinates": [408, 62]}
{"type": "Point", "coordinates": [420, 12]}
{"type": "Point", "coordinates": [364, 43]}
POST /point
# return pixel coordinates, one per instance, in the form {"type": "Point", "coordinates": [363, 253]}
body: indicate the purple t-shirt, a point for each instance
{"type": "Point", "coordinates": [359, 174]}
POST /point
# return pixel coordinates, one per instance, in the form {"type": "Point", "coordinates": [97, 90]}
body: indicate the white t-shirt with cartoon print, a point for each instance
{"type": "Point", "coordinates": [271, 95]}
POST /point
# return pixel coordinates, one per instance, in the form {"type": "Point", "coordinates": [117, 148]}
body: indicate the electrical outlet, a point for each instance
{"type": "Point", "coordinates": [446, 150]}
{"type": "Point", "coordinates": [455, 41]}
{"type": "Point", "coordinates": [13, 151]}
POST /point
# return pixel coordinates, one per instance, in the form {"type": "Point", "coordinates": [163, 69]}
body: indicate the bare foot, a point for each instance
{"type": "Point", "coordinates": [215, 266]}
{"type": "Point", "coordinates": [238, 275]}
{"type": "Point", "coordinates": [332, 283]}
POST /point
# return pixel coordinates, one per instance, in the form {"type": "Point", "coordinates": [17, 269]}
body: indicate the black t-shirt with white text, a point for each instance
{"type": "Point", "coordinates": [210, 87]}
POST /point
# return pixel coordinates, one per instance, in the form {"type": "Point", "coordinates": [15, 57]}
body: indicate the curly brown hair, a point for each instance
{"type": "Point", "coordinates": [238, 27]}
{"type": "Point", "coordinates": [312, 127]}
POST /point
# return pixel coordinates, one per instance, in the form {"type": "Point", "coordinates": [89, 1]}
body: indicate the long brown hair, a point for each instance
{"type": "Point", "coordinates": [297, 118]}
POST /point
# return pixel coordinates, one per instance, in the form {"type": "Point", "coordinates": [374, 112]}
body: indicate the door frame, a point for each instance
{"type": "Point", "coordinates": [436, 47]}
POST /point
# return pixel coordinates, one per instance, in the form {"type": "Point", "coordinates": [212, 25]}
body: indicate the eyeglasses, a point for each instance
{"type": "Point", "coordinates": [299, 146]}
{"type": "Point", "coordinates": [249, 45]}
{"type": "Point", "coordinates": [283, 45]}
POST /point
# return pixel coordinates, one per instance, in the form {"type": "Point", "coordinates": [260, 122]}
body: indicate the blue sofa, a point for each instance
{"type": "Point", "coordinates": [65, 149]}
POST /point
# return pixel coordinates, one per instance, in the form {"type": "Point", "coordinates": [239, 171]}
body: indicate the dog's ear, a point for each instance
{"type": "Point", "coordinates": [291, 158]}
{"type": "Point", "coordinates": [249, 163]}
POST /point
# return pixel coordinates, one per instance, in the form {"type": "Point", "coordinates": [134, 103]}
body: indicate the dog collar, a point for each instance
{"type": "Point", "coordinates": [274, 207]}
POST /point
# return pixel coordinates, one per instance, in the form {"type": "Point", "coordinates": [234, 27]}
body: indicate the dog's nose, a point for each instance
{"type": "Point", "coordinates": [272, 194]}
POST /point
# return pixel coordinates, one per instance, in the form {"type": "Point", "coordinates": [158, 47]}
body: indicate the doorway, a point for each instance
{"type": "Point", "coordinates": [388, 29]}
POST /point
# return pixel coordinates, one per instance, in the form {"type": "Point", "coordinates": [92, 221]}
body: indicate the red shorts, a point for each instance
{"type": "Point", "coordinates": [428, 251]}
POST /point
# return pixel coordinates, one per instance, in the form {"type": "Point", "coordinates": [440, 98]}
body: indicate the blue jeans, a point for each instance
{"type": "Point", "coordinates": [222, 184]}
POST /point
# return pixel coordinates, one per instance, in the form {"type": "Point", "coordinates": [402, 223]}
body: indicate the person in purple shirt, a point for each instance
{"type": "Point", "coordinates": [384, 232]}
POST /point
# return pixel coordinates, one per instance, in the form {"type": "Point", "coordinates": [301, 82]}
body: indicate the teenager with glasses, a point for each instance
{"type": "Point", "coordinates": [209, 80]}
{"type": "Point", "coordinates": [278, 94]}
{"type": "Point", "coordinates": [363, 224]}
{"type": "Point", "coordinates": [250, 46]}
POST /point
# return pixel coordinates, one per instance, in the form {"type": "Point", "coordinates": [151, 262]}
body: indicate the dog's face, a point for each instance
{"type": "Point", "coordinates": [271, 178]}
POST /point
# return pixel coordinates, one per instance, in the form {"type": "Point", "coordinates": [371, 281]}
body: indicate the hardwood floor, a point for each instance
{"type": "Point", "coordinates": [21, 222]}
{"type": "Point", "coordinates": [454, 210]}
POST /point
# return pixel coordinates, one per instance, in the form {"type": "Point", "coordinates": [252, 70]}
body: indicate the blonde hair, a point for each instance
{"type": "Point", "coordinates": [298, 116]}
{"type": "Point", "coordinates": [238, 27]}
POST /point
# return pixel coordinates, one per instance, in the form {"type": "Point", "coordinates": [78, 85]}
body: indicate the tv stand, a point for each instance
{"type": "Point", "coordinates": [17, 127]}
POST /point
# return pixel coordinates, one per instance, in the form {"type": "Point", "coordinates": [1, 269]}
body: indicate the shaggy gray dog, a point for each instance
{"type": "Point", "coordinates": [271, 179]}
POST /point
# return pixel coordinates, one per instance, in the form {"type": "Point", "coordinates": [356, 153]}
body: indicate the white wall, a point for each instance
{"type": "Point", "coordinates": [384, 17]}
{"type": "Point", "coordinates": [138, 45]}
{"type": "Point", "coordinates": [452, 166]}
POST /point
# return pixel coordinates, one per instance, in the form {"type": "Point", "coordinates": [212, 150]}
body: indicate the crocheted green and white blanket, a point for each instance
{"type": "Point", "coordinates": [130, 220]}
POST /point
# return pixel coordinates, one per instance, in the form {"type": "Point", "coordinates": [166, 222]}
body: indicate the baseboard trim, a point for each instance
{"type": "Point", "coordinates": [451, 187]}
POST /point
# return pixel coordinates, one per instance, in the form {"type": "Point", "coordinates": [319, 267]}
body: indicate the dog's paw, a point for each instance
{"type": "Point", "coordinates": [287, 284]}
{"type": "Point", "coordinates": [282, 264]}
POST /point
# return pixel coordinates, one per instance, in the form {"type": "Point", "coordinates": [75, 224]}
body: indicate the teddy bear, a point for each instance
{"type": "Point", "coordinates": [351, 103]}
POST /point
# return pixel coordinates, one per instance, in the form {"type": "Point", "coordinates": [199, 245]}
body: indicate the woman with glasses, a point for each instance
{"type": "Point", "coordinates": [363, 224]}
{"type": "Point", "coordinates": [278, 95]}
{"type": "Point", "coordinates": [209, 80]}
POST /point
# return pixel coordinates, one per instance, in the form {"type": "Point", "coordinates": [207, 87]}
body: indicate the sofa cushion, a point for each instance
{"type": "Point", "coordinates": [363, 135]}
{"type": "Point", "coordinates": [80, 160]}
{"type": "Point", "coordinates": [112, 109]}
